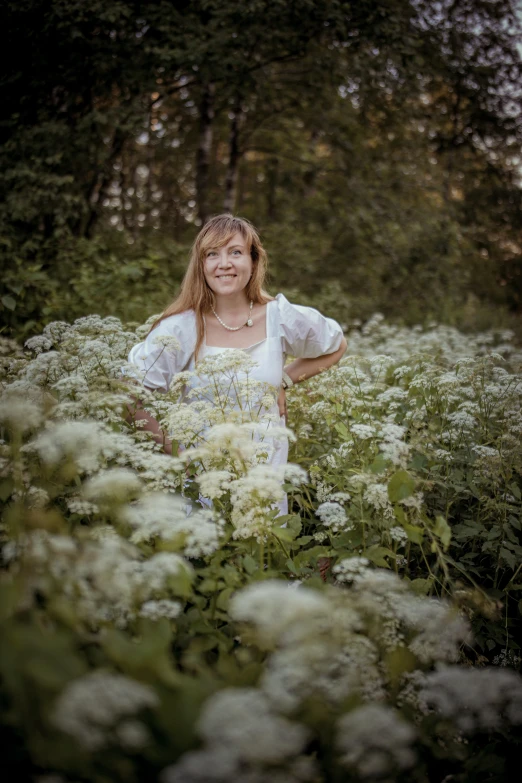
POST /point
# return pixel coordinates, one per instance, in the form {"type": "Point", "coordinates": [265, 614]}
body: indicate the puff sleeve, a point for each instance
{"type": "Point", "coordinates": [165, 351]}
{"type": "Point", "coordinates": [304, 332]}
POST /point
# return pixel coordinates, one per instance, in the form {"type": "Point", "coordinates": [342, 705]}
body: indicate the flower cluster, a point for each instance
{"type": "Point", "coordinates": [412, 455]}
{"type": "Point", "coordinates": [95, 710]}
{"type": "Point", "coordinates": [104, 575]}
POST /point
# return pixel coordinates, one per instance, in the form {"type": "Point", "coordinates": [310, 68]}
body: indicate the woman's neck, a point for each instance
{"type": "Point", "coordinates": [231, 303]}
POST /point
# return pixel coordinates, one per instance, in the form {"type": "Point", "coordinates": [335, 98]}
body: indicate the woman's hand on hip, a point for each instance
{"type": "Point", "coordinates": [281, 403]}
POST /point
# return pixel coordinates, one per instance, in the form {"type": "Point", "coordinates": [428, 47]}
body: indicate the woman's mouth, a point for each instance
{"type": "Point", "coordinates": [225, 277]}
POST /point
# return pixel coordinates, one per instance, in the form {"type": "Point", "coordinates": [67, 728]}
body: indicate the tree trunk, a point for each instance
{"type": "Point", "coordinates": [271, 184]}
{"type": "Point", "coordinates": [204, 150]}
{"type": "Point", "coordinates": [310, 175]}
{"type": "Point", "coordinates": [229, 201]}
{"type": "Point", "coordinates": [101, 184]}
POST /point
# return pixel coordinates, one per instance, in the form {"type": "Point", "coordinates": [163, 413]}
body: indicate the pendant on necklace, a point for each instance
{"type": "Point", "coordinates": [249, 322]}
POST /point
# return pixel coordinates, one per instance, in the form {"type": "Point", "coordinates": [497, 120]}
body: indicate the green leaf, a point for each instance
{"type": "Point", "coordinates": [443, 531]}
{"type": "Point", "coordinates": [421, 586]}
{"type": "Point", "coordinates": [377, 555]}
{"type": "Point", "coordinates": [292, 529]}
{"type": "Point", "coordinates": [342, 540]}
{"type": "Point", "coordinates": [508, 557]}
{"type": "Point", "coordinates": [400, 486]}
{"type": "Point", "coordinates": [291, 567]}
{"type": "Point", "coordinates": [146, 655]}
{"type": "Point", "coordinates": [285, 533]}
{"type": "Point", "coordinates": [224, 598]}
{"type": "Point", "coordinates": [210, 585]}
{"type": "Point", "coordinates": [414, 532]}
{"type": "Point", "coordinates": [6, 489]}
{"type": "Point", "coordinates": [311, 555]}
{"type": "Point", "coordinates": [8, 302]}
{"type": "Point", "coordinates": [249, 564]}
{"type": "Point", "coordinates": [290, 519]}
{"type": "Point", "coordinates": [342, 429]}
{"type": "Point", "coordinates": [379, 464]}
{"type": "Point", "coordinates": [418, 461]}
{"type": "Point", "coordinates": [398, 661]}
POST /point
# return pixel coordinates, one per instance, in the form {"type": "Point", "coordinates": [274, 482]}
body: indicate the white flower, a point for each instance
{"type": "Point", "coordinates": [349, 568]}
{"type": "Point", "coordinates": [38, 343]}
{"type": "Point", "coordinates": [375, 742]}
{"type": "Point", "coordinates": [214, 483]}
{"type": "Point", "coordinates": [394, 394]}
{"type": "Point", "coordinates": [273, 609]}
{"type": "Point", "coordinates": [164, 516]}
{"type": "Point", "coordinates": [413, 501]}
{"type": "Point", "coordinates": [507, 657]}
{"type": "Point", "coordinates": [156, 572]}
{"type": "Point", "coordinates": [340, 497]}
{"type": "Point", "coordinates": [399, 534]}
{"type": "Point", "coordinates": [393, 446]}
{"type": "Point", "coordinates": [363, 431]}
{"type": "Point", "coordinates": [325, 659]}
{"type": "Point", "coordinates": [475, 699]}
{"type": "Point", "coordinates": [105, 576]}
{"type": "Point", "coordinates": [295, 474]}
{"type": "Point", "coordinates": [380, 363]}
{"type": "Point", "coordinates": [209, 765]}
{"type": "Point", "coordinates": [115, 485]}
{"type": "Point", "coordinates": [92, 705]}
{"type": "Point", "coordinates": [253, 497]}
{"type": "Point", "coordinates": [243, 720]}
{"type": "Point", "coordinates": [133, 735]}
{"type": "Point", "coordinates": [85, 442]}
{"type": "Point", "coordinates": [20, 415]}
{"type": "Point", "coordinates": [77, 505]}
{"type": "Point", "coordinates": [377, 496]}
{"type": "Point", "coordinates": [462, 420]}
{"type": "Point", "coordinates": [167, 341]}
{"type": "Point", "coordinates": [332, 515]}
{"type": "Point", "coordinates": [245, 740]}
{"type": "Point", "coordinates": [36, 497]}
{"type": "Point", "coordinates": [155, 610]}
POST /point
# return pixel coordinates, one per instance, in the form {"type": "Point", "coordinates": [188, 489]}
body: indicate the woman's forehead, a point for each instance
{"type": "Point", "coordinates": [234, 238]}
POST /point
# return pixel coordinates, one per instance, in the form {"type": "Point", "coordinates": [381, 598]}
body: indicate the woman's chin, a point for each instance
{"type": "Point", "coordinates": [228, 289]}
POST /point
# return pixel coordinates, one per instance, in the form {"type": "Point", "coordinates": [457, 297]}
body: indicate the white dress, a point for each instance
{"type": "Point", "coordinates": [291, 329]}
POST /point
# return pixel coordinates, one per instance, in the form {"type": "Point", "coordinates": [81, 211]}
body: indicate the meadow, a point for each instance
{"type": "Point", "coordinates": [160, 622]}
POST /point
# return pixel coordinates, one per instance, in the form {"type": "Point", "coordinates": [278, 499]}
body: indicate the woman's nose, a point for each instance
{"type": "Point", "coordinates": [224, 260]}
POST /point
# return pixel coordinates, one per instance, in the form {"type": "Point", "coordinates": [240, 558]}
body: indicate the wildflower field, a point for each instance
{"type": "Point", "coordinates": [160, 622]}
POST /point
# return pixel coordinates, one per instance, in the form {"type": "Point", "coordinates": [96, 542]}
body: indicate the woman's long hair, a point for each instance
{"type": "Point", "coordinates": [195, 294]}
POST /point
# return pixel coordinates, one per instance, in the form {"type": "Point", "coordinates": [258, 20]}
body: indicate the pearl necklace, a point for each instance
{"type": "Point", "coordinates": [236, 328]}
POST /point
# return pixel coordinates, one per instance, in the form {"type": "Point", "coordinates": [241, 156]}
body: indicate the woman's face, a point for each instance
{"type": "Point", "coordinates": [228, 269]}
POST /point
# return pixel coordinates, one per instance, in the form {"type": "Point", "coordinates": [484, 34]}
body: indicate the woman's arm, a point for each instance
{"type": "Point", "coordinates": [302, 369]}
{"type": "Point", "coordinates": [137, 412]}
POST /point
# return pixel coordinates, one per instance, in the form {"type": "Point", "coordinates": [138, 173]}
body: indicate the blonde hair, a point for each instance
{"type": "Point", "coordinates": [195, 293]}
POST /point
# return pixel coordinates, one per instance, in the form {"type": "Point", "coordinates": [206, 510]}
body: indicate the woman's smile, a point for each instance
{"type": "Point", "coordinates": [228, 268]}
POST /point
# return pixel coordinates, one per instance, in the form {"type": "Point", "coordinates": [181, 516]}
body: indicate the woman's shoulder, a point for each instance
{"type": "Point", "coordinates": [288, 308]}
{"type": "Point", "coordinates": [179, 322]}
{"type": "Point", "coordinates": [281, 301]}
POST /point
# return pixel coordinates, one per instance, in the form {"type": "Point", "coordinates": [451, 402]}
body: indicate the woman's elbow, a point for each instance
{"type": "Point", "coordinates": [338, 355]}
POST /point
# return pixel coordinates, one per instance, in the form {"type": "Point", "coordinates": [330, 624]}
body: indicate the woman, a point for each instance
{"type": "Point", "coordinates": [222, 305]}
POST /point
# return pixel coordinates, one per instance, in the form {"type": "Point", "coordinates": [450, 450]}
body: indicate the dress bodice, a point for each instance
{"type": "Point", "coordinates": [267, 354]}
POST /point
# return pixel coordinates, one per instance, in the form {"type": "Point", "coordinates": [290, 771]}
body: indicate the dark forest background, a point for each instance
{"type": "Point", "coordinates": [375, 144]}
